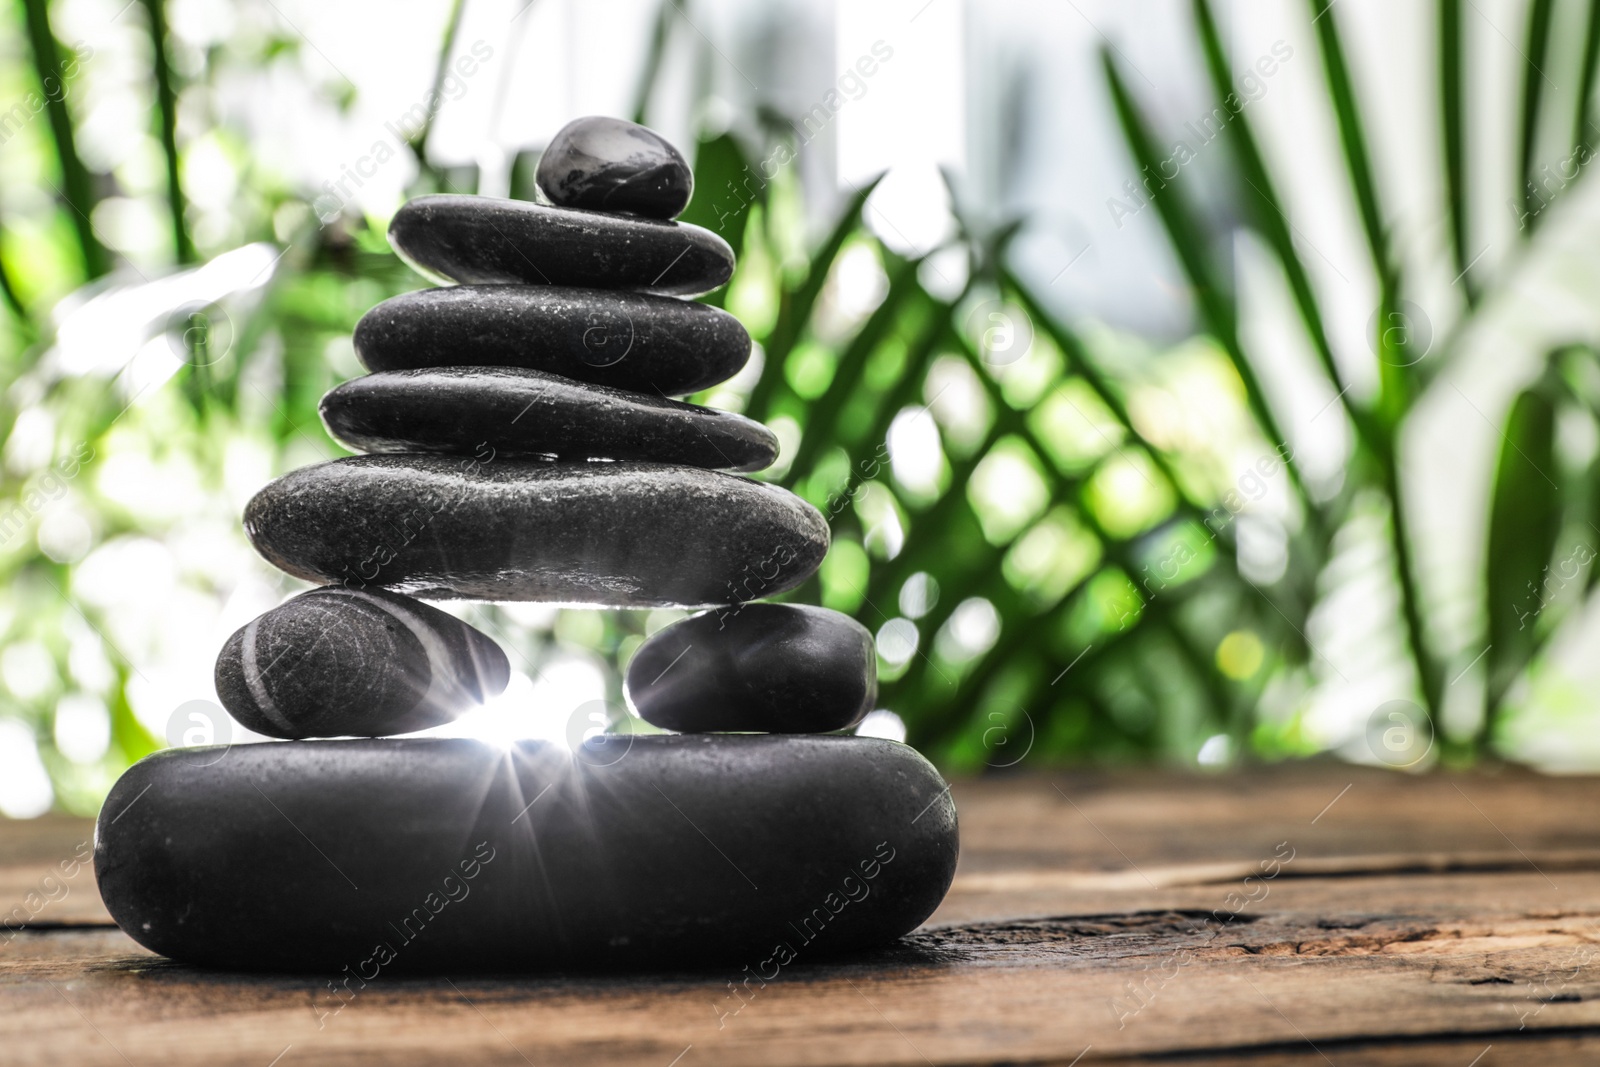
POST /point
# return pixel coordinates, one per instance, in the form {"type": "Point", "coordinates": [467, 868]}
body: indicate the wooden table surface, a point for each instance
{"type": "Point", "coordinates": [1387, 919]}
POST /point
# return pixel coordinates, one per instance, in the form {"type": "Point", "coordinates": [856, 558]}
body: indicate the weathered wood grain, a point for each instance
{"type": "Point", "coordinates": [1415, 920]}
{"type": "Point", "coordinates": [46, 875]}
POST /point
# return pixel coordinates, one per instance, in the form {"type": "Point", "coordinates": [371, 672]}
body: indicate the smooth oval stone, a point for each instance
{"type": "Point", "coordinates": [361, 858]}
{"type": "Point", "coordinates": [514, 411]}
{"type": "Point", "coordinates": [781, 668]}
{"type": "Point", "coordinates": [483, 239]}
{"type": "Point", "coordinates": [650, 344]}
{"type": "Point", "coordinates": [607, 164]}
{"type": "Point", "coordinates": [499, 528]}
{"type": "Point", "coordinates": [338, 662]}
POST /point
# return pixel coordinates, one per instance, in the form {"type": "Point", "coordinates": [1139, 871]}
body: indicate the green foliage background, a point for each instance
{"type": "Point", "coordinates": [1071, 575]}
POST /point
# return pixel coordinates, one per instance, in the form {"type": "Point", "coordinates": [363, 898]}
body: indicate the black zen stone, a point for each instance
{"type": "Point", "coordinates": [607, 164]}
{"type": "Point", "coordinates": [513, 411]}
{"type": "Point", "coordinates": [500, 528]}
{"type": "Point", "coordinates": [482, 239]}
{"type": "Point", "coordinates": [355, 859]}
{"type": "Point", "coordinates": [650, 344]}
{"type": "Point", "coordinates": [782, 668]}
{"type": "Point", "coordinates": [340, 662]}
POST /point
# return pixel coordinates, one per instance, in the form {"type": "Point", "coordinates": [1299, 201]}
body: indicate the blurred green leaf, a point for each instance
{"type": "Point", "coordinates": [1451, 120]}
{"type": "Point", "coordinates": [1268, 215]}
{"type": "Point", "coordinates": [50, 61]}
{"type": "Point", "coordinates": [1583, 106]}
{"type": "Point", "coordinates": [1533, 82]}
{"type": "Point", "coordinates": [1524, 522]}
{"type": "Point", "coordinates": [167, 121]}
{"type": "Point", "coordinates": [1194, 254]}
{"type": "Point", "coordinates": [799, 300]}
{"type": "Point", "coordinates": [1352, 133]}
{"type": "Point", "coordinates": [725, 189]}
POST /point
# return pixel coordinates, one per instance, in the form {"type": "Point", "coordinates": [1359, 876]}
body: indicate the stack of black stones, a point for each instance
{"type": "Point", "coordinates": [520, 446]}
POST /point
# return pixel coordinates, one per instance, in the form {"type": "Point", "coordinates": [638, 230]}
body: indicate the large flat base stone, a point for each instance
{"type": "Point", "coordinates": [358, 858]}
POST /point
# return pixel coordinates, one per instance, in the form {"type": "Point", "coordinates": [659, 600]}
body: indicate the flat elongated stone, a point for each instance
{"type": "Point", "coordinates": [358, 859]}
{"type": "Point", "coordinates": [607, 164]}
{"type": "Point", "coordinates": [364, 663]}
{"type": "Point", "coordinates": [514, 411]}
{"type": "Point", "coordinates": [483, 239]}
{"type": "Point", "coordinates": [651, 344]}
{"type": "Point", "coordinates": [783, 668]}
{"type": "Point", "coordinates": [498, 528]}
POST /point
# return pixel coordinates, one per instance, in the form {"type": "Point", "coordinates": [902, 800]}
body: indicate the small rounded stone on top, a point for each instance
{"type": "Point", "coordinates": [607, 164]}
{"type": "Point", "coordinates": [779, 668]}
{"type": "Point", "coordinates": [339, 662]}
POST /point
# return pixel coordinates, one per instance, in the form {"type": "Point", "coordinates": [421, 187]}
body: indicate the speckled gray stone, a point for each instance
{"type": "Point", "coordinates": [338, 662]}
{"type": "Point", "coordinates": [607, 164]}
{"type": "Point", "coordinates": [499, 528]}
{"type": "Point", "coordinates": [483, 239]}
{"type": "Point", "coordinates": [524, 412]}
{"type": "Point", "coordinates": [456, 855]}
{"type": "Point", "coordinates": [650, 344]}
{"type": "Point", "coordinates": [781, 668]}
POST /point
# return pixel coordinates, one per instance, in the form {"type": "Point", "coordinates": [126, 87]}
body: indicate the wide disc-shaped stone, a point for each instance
{"type": "Point", "coordinates": [513, 411]}
{"type": "Point", "coordinates": [498, 528]}
{"type": "Point", "coordinates": [607, 164]}
{"type": "Point", "coordinates": [355, 859]}
{"type": "Point", "coordinates": [483, 239]}
{"type": "Point", "coordinates": [782, 668]}
{"type": "Point", "coordinates": [340, 662]}
{"type": "Point", "coordinates": [650, 344]}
